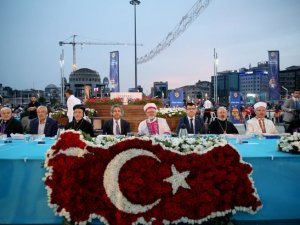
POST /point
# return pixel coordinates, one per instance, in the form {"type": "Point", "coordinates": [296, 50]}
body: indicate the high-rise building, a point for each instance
{"type": "Point", "coordinates": [289, 80]}
{"type": "Point", "coordinates": [254, 83]}
{"type": "Point", "coordinates": [160, 89]}
{"type": "Point", "coordinates": [226, 81]}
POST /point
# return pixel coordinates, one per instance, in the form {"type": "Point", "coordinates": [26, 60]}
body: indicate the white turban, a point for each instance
{"type": "Point", "coordinates": [260, 104]}
{"type": "Point", "coordinates": [149, 106]}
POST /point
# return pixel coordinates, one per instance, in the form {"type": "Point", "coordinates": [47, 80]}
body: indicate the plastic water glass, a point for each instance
{"type": "Point", "coordinates": [27, 138]}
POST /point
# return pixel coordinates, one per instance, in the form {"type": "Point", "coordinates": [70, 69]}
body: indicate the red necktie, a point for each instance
{"type": "Point", "coordinates": [262, 125]}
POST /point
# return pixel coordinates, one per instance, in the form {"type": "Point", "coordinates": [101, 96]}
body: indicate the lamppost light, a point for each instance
{"type": "Point", "coordinates": [135, 2]}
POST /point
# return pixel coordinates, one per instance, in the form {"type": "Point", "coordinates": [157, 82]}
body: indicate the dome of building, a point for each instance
{"type": "Point", "coordinates": [85, 74]}
{"type": "Point", "coordinates": [51, 86]}
{"type": "Point", "coordinates": [81, 78]}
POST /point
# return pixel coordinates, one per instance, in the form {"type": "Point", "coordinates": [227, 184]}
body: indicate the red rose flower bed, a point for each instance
{"type": "Point", "coordinates": [136, 180]}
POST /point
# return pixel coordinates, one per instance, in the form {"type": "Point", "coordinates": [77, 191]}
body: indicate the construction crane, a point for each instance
{"type": "Point", "coordinates": [74, 43]}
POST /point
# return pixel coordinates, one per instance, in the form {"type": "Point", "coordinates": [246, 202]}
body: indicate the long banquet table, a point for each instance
{"type": "Point", "coordinates": [23, 198]}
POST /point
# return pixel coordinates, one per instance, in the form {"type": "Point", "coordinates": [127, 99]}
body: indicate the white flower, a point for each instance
{"type": "Point", "coordinates": [289, 144]}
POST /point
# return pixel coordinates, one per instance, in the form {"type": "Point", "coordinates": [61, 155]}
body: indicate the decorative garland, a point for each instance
{"type": "Point", "coordinates": [290, 144]}
{"type": "Point", "coordinates": [142, 181]}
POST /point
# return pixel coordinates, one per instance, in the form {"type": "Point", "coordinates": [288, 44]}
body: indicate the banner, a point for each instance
{"type": "Point", "coordinates": [235, 107]}
{"type": "Point", "coordinates": [176, 99]}
{"type": "Point", "coordinates": [274, 75]}
{"type": "Point", "coordinates": [114, 71]}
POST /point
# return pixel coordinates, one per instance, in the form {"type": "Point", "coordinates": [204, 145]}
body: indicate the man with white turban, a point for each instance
{"type": "Point", "coordinates": [260, 124]}
{"type": "Point", "coordinates": [153, 125]}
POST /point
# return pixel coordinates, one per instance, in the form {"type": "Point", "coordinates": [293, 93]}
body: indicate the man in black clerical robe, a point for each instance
{"type": "Point", "coordinates": [221, 125]}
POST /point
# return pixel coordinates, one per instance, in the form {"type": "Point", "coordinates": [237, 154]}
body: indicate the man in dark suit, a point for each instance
{"type": "Point", "coordinates": [193, 124]}
{"type": "Point", "coordinates": [291, 108]}
{"type": "Point", "coordinates": [8, 124]}
{"type": "Point", "coordinates": [43, 124]}
{"type": "Point", "coordinates": [116, 125]}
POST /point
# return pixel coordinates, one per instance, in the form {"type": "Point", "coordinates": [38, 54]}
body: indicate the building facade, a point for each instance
{"type": "Point", "coordinates": [84, 77]}
{"type": "Point", "coordinates": [196, 92]}
{"type": "Point", "coordinates": [160, 89]}
{"type": "Point", "coordinates": [52, 93]}
{"type": "Point", "coordinates": [226, 82]}
{"type": "Point", "coordinates": [289, 81]}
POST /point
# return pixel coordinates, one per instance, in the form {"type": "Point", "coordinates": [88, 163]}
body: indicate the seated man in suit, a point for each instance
{"type": "Point", "coordinates": [221, 125]}
{"type": "Point", "coordinates": [193, 124]}
{"type": "Point", "coordinates": [8, 124]}
{"type": "Point", "coordinates": [43, 124]}
{"type": "Point", "coordinates": [116, 125]}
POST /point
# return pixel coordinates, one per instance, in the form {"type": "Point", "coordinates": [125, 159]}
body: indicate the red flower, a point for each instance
{"type": "Point", "coordinates": [134, 172]}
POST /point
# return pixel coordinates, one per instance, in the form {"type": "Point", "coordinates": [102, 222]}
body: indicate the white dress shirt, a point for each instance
{"type": "Point", "coordinates": [71, 102]}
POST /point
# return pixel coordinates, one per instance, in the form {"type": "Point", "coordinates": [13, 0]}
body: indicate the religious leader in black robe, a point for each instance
{"type": "Point", "coordinates": [79, 123]}
{"type": "Point", "coordinates": [221, 125]}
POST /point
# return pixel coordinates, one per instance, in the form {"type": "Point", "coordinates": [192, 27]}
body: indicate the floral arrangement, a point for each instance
{"type": "Point", "coordinates": [90, 112]}
{"type": "Point", "coordinates": [144, 101]}
{"type": "Point", "coordinates": [139, 180]}
{"type": "Point", "coordinates": [119, 101]}
{"type": "Point", "coordinates": [188, 144]}
{"type": "Point", "coordinates": [290, 143]}
{"type": "Point", "coordinates": [58, 114]}
{"type": "Point", "coordinates": [103, 101]}
{"type": "Point", "coordinates": [171, 112]}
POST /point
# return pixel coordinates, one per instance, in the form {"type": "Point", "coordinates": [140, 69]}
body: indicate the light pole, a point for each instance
{"type": "Point", "coordinates": [286, 92]}
{"type": "Point", "coordinates": [215, 75]}
{"type": "Point", "coordinates": [134, 3]}
{"type": "Point", "coordinates": [61, 61]}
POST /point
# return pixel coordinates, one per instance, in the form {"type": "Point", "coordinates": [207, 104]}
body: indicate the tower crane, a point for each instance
{"type": "Point", "coordinates": [74, 43]}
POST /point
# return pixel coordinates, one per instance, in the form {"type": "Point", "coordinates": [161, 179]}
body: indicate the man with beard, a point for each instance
{"type": "Point", "coordinates": [221, 125]}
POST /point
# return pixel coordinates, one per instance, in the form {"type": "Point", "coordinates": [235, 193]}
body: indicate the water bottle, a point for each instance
{"type": "Point", "coordinates": [59, 131]}
{"type": "Point", "coordinates": [183, 131]}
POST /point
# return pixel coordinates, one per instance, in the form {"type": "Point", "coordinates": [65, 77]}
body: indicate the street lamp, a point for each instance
{"type": "Point", "coordinates": [215, 75]}
{"type": "Point", "coordinates": [62, 62]}
{"type": "Point", "coordinates": [134, 3]}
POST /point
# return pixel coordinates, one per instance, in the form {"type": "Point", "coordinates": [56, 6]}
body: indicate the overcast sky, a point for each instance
{"type": "Point", "coordinates": [242, 32]}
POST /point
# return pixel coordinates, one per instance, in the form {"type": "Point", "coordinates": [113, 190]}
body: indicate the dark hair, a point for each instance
{"type": "Point", "coordinates": [69, 91]}
{"type": "Point", "coordinates": [117, 106]}
{"type": "Point", "coordinates": [190, 104]}
{"type": "Point", "coordinates": [79, 107]}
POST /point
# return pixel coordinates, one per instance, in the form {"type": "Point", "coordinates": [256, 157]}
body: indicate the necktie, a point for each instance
{"type": "Point", "coordinates": [117, 128]}
{"type": "Point", "coordinates": [192, 126]}
{"type": "Point", "coordinates": [3, 126]}
{"type": "Point", "coordinates": [297, 103]}
{"type": "Point", "coordinates": [262, 125]}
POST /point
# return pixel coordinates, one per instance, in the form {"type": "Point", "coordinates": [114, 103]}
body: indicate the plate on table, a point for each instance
{"type": "Point", "coordinates": [17, 136]}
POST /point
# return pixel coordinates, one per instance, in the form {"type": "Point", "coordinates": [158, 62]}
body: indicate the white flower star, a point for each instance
{"type": "Point", "coordinates": [178, 179]}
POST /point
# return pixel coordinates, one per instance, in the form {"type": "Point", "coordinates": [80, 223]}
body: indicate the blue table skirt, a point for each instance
{"type": "Point", "coordinates": [23, 198]}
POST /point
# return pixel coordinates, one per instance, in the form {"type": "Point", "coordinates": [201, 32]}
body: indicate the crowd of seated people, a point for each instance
{"type": "Point", "coordinates": [152, 125]}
